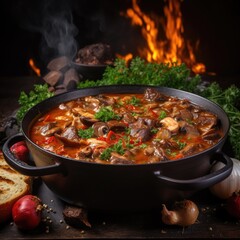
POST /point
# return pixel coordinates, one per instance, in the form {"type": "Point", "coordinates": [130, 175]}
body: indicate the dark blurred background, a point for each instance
{"type": "Point", "coordinates": [29, 29]}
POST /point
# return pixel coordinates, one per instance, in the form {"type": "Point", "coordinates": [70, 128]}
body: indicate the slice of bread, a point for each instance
{"type": "Point", "coordinates": [13, 185]}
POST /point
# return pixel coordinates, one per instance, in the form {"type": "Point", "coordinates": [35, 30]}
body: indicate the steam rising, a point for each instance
{"type": "Point", "coordinates": [53, 19]}
{"type": "Point", "coordinates": [59, 32]}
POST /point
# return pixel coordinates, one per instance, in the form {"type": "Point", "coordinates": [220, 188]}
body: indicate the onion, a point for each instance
{"type": "Point", "coordinates": [233, 205]}
{"type": "Point", "coordinates": [229, 185]}
{"type": "Point", "coordinates": [184, 213]}
{"type": "Point", "coordinates": [20, 151]}
{"type": "Point", "coordinates": [26, 212]}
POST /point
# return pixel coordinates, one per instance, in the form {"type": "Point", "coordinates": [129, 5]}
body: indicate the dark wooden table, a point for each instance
{"type": "Point", "coordinates": [213, 222]}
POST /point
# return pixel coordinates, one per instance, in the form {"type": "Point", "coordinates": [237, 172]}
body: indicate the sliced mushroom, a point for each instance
{"type": "Point", "coordinates": [49, 129]}
{"type": "Point", "coordinates": [155, 153]}
{"type": "Point", "coordinates": [152, 105]}
{"type": "Point", "coordinates": [212, 137]}
{"type": "Point", "coordinates": [170, 124]}
{"type": "Point", "coordinates": [118, 159]}
{"type": "Point", "coordinates": [212, 134]}
{"type": "Point", "coordinates": [88, 121]}
{"type": "Point", "coordinates": [149, 150]}
{"type": "Point", "coordinates": [116, 125]}
{"type": "Point", "coordinates": [95, 143]}
{"type": "Point", "coordinates": [106, 101]}
{"type": "Point", "coordinates": [91, 103]}
{"type": "Point", "coordinates": [52, 131]}
{"type": "Point", "coordinates": [164, 133]}
{"type": "Point", "coordinates": [82, 112]}
{"type": "Point", "coordinates": [100, 129]}
{"type": "Point", "coordinates": [184, 103]}
{"type": "Point", "coordinates": [64, 118]}
{"type": "Point", "coordinates": [206, 121]}
{"type": "Point", "coordinates": [97, 151]}
{"type": "Point", "coordinates": [85, 152]}
{"type": "Point", "coordinates": [90, 99]}
{"type": "Point", "coordinates": [175, 112]}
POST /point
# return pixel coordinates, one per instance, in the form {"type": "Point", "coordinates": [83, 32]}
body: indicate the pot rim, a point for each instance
{"type": "Point", "coordinates": [127, 89]}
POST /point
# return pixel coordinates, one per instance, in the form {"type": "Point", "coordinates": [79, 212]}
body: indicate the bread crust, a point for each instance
{"type": "Point", "coordinates": [13, 185]}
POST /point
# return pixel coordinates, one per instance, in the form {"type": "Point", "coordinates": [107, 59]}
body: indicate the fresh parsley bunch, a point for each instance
{"type": "Point", "coordinates": [229, 100]}
{"type": "Point", "coordinates": [140, 72]}
{"type": "Point", "coordinates": [26, 101]}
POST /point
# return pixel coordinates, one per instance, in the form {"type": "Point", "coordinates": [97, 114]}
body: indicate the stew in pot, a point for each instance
{"type": "Point", "coordinates": [127, 128]}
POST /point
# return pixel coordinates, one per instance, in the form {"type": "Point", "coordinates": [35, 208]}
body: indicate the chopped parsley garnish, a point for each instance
{"type": "Point", "coordinates": [86, 133]}
{"type": "Point", "coordinates": [181, 145]}
{"type": "Point", "coordinates": [162, 115]}
{"type": "Point", "coordinates": [118, 148]}
{"type": "Point", "coordinates": [134, 101]}
{"type": "Point", "coordinates": [106, 113]}
{"type": "Point", "coordinates": [154, 130]}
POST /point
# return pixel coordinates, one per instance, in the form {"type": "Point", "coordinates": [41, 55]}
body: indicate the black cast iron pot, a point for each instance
{"type": "Point", "coordinates": [121, 187]}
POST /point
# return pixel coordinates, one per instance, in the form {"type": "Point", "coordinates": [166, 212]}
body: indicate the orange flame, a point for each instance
{"type": "Point", "coordinates": [34, 67]}
{"type": "Point", "coordinates": [171, 49]}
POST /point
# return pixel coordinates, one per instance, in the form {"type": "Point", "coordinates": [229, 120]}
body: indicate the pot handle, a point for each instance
{"type": "Point", "coordinates": [200, 182]}
{"type": "Point", "coordinates": [23, 167]}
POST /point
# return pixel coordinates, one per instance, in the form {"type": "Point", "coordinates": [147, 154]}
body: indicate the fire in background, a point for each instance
{"type": "Point", "coordinates": [168, 45]}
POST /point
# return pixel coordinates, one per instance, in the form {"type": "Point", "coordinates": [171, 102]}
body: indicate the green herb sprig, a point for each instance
{"type": "Point", "coordinates": [229, 100]}
{"type": "Point", "coordinates": [86, 133]}
{"type": "Point", "coordinates": [140, 72]}
{"type": "Point", "coordinates": [27, 101]}
{"type": "Point", "coordinates": [118, 148]}
{"type": "Point", "coordinates": [106, 113]}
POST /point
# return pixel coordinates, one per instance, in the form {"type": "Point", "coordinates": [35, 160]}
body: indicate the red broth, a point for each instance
{"type": "Point", "coordinates": [127, 128]}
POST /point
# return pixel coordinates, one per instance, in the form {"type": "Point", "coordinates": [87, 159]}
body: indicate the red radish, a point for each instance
{"type": "Point", "coordinates": [233, 205]}
{"type": "Point", "coordinates": [27, 212]}
{"type": "Point", "coordinates": [20, 151]}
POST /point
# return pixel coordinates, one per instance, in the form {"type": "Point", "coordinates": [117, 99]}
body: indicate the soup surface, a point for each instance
{"type": "Point", "coordinates": [127, 128]}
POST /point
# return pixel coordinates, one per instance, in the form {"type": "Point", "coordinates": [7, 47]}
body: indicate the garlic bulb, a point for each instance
{"type": "Point", "coordinates": [229, 185]}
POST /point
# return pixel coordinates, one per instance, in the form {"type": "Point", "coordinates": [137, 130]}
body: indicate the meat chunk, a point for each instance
{"type": "Point", "coordinates": [96, 54]}
{"type": "Point", "coordinates": [153, 95]}
{"type": "Point", "coordinates": [76, 216]}
{"type": "Point", "coordinates": [190, 149]}
{"type": "Point", "coordinates": [49, 129]}
{"type": "Point", "coordinates": [69, 137]}
{"type": "Point", "coordinates": [140, 130]}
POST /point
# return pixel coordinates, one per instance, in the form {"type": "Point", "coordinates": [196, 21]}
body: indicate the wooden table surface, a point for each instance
{"type": "Point", "coordinates": [213, 222]}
